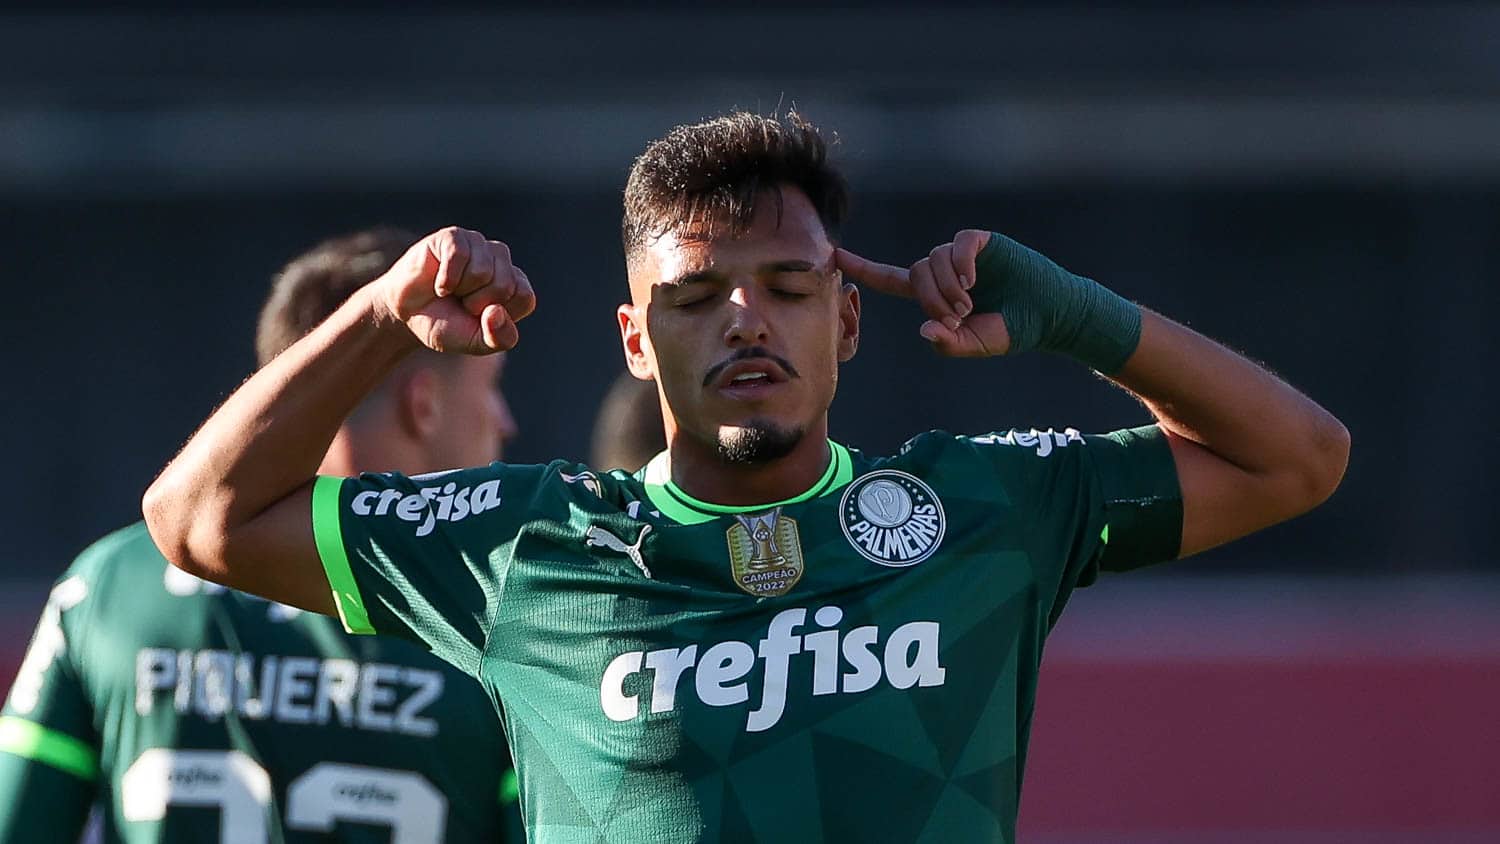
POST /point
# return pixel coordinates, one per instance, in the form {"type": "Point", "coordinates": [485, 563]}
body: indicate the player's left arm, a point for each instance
{"type": "Point", "coordinates": [1250, 449]}
{"type": "Point", "coordinates": [49, 758]}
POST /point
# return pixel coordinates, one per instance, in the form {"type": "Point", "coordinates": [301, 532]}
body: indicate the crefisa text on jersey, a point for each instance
{"type": "Point", "coordinates": [429, 504]}
{"type": "Point", "coordinates": [1043, 441]}
{"type": "Point", "coordinates": [721, 674]}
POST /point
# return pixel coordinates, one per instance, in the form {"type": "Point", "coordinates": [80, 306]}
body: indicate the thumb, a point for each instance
{"type": "Point", "coordinates": [882, 277]}
{"type": "Point", "coordinates": [982, 335]}
{"type": "Point", "coordinates": [943, 339]}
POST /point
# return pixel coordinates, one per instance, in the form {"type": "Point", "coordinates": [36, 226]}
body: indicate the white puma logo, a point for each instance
{"type": "Point", "coordinates": [598, 537]}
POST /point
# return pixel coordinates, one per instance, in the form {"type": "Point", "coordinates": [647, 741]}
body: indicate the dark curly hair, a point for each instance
{"type": "Point", "coordinates": [710, 174]}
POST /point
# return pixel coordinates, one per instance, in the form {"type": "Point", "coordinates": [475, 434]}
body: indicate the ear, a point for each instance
{"type": "Point", "coordinates": [848, 320]}
{"type": "Point", "coordinates": [633, 339]}
{"type": "Point", "coordinates": [419, 403]}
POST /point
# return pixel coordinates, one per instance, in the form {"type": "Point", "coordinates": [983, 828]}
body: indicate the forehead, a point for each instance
{"type": "Point", "coordinates": [794, 233]}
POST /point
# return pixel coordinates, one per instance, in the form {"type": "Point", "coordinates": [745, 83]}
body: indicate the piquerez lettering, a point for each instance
{"type": "Point", "coordinates": [290, 689]}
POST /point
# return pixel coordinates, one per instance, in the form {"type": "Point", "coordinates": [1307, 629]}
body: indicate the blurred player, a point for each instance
{"type": "Point", "coordinates": [764, 635]}
{"type": "Point", "coordinates": [193, 713]}
{"type": "Point", "coordinates": [627, 432]}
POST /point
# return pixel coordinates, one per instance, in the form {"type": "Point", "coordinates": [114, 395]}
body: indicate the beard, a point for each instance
{"type": "Point", "coordinates": [756, 442]}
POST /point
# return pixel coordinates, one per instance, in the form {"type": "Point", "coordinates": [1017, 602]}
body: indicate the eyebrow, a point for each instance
{"type": "Point", "coordinates": [711, 275]}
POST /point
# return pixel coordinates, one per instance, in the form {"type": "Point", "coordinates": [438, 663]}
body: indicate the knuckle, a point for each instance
{"type": "Point", "coordinates": [973, 237]}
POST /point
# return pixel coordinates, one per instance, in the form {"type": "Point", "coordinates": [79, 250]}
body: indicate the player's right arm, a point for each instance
{"type": "Point", "coordinates": [234, 505]}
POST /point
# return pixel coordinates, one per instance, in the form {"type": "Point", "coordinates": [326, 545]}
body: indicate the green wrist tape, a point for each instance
{"type": "Point", "coordinates": [1046, 307]}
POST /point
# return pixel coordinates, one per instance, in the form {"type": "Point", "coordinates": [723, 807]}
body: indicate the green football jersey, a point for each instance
{"type": "Point", "coordinates": [194, 713]}
{"type": "Point", "coordinates": [857, 663]}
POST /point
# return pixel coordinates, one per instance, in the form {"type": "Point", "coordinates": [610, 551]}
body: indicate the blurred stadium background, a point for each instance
{"type": "Point", "coordinates": [1318, 185]}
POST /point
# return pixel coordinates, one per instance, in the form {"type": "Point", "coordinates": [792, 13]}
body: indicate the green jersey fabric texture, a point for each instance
{"type": "Point", "coordinates": [857, 663]}
{"type": "Point", "coordinates": [194, 713]}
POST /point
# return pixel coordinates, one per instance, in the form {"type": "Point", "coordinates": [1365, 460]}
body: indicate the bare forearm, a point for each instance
{"type": "Point", "coordinates": [1200, 390]}
{"type": "Point", "coordinates": [1251, 449]}
{"type": "Point", "coordinates": [267, 440]}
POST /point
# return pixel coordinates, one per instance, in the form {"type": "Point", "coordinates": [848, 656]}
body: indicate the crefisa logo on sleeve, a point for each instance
{"type": "Point", "coordinates": [892, 518]}
{"type": "Point", "coordinates": [429, 504]}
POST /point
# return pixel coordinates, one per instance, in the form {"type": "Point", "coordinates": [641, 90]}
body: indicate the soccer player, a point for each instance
{"type": "Point", "coordinates": [192, 713]}
{"type": "Point", "coordinates": [764, 634]}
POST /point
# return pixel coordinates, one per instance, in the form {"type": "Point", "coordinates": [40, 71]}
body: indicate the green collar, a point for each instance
{"type": "Point", "coordinates": [685, 509]}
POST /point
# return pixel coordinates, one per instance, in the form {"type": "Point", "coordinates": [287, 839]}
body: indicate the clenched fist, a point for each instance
{"type": "Point", "coordinates": [457, 291]}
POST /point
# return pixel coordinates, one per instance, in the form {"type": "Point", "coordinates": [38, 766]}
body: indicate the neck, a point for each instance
{"type": "Point", "coordinates": [698, 470]}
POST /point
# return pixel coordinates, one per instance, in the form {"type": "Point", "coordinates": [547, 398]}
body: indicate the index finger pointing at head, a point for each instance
{"type": "Point", "coordinates": [882, 277]}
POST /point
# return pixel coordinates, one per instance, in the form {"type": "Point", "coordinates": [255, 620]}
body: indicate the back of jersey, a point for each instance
{"type": "Point", "coordinates": [196, 713]}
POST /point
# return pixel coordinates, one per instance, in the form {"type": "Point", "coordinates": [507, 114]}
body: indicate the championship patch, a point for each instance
{"type": "Point", "coordinates": [765, 553]}
{"type": "Point", "coordinates": [892, 518]}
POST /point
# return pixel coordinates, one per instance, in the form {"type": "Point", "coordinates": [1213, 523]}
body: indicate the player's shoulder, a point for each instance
{"type": "Point", "coordinates": [535, 483]}
{"type": "Point", "coordinates": [496, 474]}
{"type": "Point", "coordinates": [141, 583]}
{"type": "Point", "coordinates": [590, 489]}
{"type": "Point", "coordinates": [937, 449]}
{"type": "Point", "coordinates": [968, 461]}
{"type": "Point", "coordinates": [123, 564]}
{"type": "Point", "coordinates": [123, 555]}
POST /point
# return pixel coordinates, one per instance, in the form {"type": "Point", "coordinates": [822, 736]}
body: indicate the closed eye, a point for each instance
{"type": "Point", "coordinates": [694, 302]}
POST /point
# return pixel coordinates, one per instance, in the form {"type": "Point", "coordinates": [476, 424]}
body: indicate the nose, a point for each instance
{"type": "Point", "coordinates": [747, 324]}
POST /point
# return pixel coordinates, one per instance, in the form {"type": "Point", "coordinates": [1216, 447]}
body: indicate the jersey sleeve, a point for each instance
{"type": "Point", "coordinates": [423, 557]}
{"type": "Point", "coordinates": [1107, 502]}
{"type": "Point", "coordinates": [49, 749]}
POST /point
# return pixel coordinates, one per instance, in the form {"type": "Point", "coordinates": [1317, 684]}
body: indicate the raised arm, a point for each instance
{"type": "Point", "coordinates": [234, 506]}
{"type": "Point", "coordinates": [1250, 449]}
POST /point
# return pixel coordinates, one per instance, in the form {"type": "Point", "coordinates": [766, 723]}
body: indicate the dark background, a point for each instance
{"type": "Point", "coordinates": [1315, 185]}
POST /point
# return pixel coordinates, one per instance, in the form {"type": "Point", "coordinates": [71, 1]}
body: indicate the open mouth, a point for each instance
{"type": "Point", "coordinates": [750, 378]}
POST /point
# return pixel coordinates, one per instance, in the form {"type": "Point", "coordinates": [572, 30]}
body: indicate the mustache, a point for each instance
{"type": "Point", "coordinates": [748, 354]}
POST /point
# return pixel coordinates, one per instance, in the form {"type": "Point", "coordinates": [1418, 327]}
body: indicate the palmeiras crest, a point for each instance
{"type": "Point", "coordinates": [765, 553]}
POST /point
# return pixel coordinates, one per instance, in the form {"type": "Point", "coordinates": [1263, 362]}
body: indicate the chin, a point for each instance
{"type": "Point", "coordinates": [756, 442]}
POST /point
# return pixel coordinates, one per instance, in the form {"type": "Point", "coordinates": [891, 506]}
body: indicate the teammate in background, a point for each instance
{"type": "Point", "coordinates": [764, 634]}
{"type": "Point", "coordinates": [627, 431]}
{"type": "Point", "coordinates": [193, 713]}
